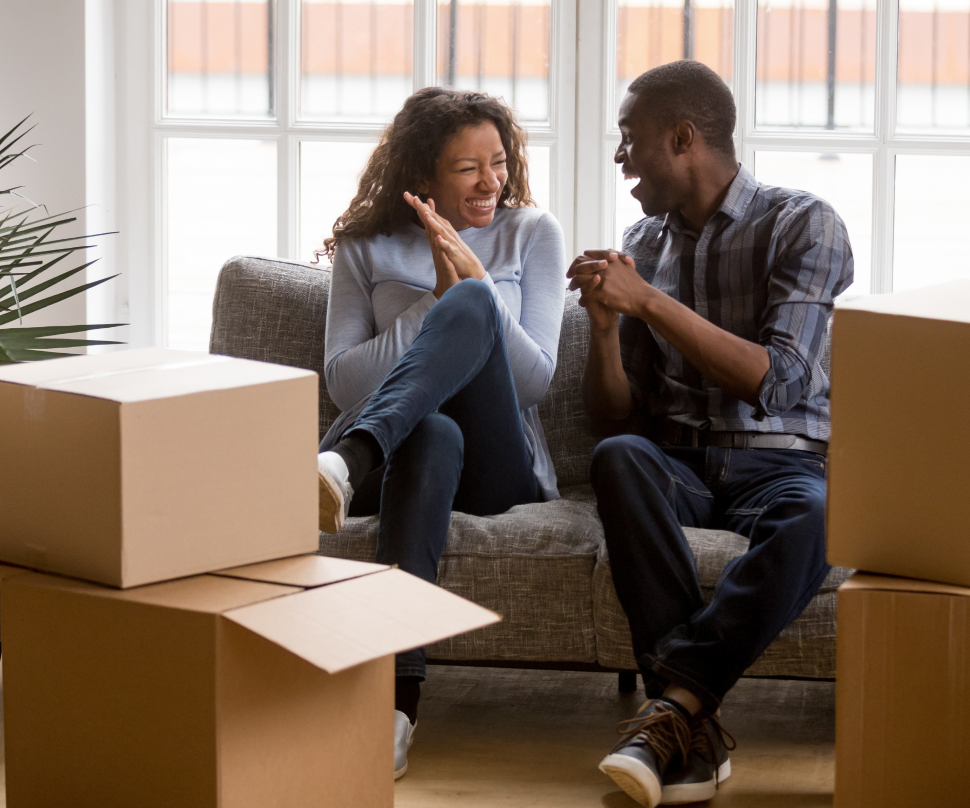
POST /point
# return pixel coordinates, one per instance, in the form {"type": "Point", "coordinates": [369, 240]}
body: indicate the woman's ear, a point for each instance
{"type": "Point", "coordinates": [423, 187]}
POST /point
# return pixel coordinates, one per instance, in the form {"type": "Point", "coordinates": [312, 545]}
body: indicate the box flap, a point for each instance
{"type": "Point", "coordinates": [307, 571]}
{"type": "Point", "coordinates": [336, 627]}
{"type": "Point", "coordinates": [6, 571]}
{"type": "Point", "coordinates": [946, 301]}
{"type": "Point", "coordinates": [890, 583]}
{"type": "Point", "coordinates": [146, 374]}
{"type": "Point", "coordinates": [201, 593]}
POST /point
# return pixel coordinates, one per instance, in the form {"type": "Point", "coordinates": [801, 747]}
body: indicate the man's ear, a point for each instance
{"type": "Point", "coordinates": [684, 137]}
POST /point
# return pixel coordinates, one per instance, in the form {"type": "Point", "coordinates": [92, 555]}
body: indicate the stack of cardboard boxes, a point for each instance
{"type": "Point", "coordinates": [899, 505]}
{"type": "Point", "coordinates": [163, 657]}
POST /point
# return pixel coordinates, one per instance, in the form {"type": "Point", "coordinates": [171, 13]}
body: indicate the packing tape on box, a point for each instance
{"type": "Point", "coordinates": [208, 359]}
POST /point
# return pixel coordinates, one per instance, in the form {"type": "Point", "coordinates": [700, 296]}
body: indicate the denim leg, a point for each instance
{"type": "Point", "coordinates": [455, 342]}
{"type": "Point", "coordinates": [644, 497]}
{"type": "Point", "coordinates": [420, 482]}
{"type": "Point", "coordinates": [777, 500]}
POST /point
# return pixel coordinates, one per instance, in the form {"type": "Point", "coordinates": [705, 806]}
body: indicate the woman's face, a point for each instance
{"type": "Point", "coordinates": [469, 178]}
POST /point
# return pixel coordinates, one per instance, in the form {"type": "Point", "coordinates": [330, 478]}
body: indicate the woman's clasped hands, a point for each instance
{"type": "Point", "coordinates": [453, 259]}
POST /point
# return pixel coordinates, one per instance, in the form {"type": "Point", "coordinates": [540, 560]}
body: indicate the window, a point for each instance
{"type": "Point", "coordinates": [265, 111]}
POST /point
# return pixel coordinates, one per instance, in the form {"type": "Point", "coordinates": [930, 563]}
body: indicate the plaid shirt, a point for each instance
{"type": "Point", "coordinates": [766, 267]}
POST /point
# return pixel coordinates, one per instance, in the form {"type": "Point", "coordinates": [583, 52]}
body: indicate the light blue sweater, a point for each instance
{"type": "Point", "coordinates": [382, 290]}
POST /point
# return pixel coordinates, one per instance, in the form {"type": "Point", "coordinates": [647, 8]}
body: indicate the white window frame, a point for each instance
{"type": "Point", "coordinates": [597, 134]}
{"type": "Point", "coordinates": [149, 299]}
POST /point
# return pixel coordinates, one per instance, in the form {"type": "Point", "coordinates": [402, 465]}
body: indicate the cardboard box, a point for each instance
{"type": "Point", "coordinates": [139, 466]}
{"type": "Point", "coordinates": [898, 471]}
{"type": "Point", "coordinates": [263, 686]}
{"type": "Point", "coordinates": [902, 694]}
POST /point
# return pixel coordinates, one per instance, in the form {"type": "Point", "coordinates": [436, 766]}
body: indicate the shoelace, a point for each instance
{"type": "Point", "coordinates": [701, 740]}
{"type": "Point", "coordinates": [663, 731]}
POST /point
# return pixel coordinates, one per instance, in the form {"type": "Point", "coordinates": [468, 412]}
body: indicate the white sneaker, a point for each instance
{"type": "Point", "coordinates": [335, 491]}
{"type": "Point", "coordinates": [403, 738]}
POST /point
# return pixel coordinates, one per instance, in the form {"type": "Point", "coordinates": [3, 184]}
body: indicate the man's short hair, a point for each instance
{"type": "Point", "coordinates": [689, 91]}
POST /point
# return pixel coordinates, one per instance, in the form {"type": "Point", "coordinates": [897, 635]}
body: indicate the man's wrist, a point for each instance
{"type": "Point", "coordinates": [645, 307]}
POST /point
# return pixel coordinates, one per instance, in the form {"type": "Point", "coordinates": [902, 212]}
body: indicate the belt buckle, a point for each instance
{"type": "Point", "coordinates": [739, 440]}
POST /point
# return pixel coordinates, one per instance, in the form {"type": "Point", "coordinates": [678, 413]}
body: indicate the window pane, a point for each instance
{"type": "Point", "coordinates": [328, 182]}
{"type": "Point", "coordinates": [654, 32]}
{"type": "Point", "coordinates": [220, 202]}
{"type": "Point", "coordinates": [500, 47]}
{"type": "Point", "coordinates": [933, 90]}
{"type": "Point", "coordinates": [843, 180]}
{"type": "Point", "coordinates": [932, 241]}
{"type": "Point", "coordinates": [539, 157]}
{"type": "Point", "coordinates": [220, 58]}
{"type": "Point", "coordinates": [816, 64]}
{"type": "Point", "coordinates": [356, 58]}
{"type": "Point", "coordinates": [628, 209]}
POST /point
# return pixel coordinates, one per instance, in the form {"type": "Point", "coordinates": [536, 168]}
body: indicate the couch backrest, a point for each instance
{"type": "Point", "coordinates": [276, 311]}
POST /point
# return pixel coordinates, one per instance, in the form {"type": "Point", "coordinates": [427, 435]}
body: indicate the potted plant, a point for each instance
{"type": "Point", "coordinates": [32, 248]}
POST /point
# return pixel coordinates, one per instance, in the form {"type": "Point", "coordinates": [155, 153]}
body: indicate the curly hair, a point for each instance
{"type": "Point", "coordinates": [408, 153]}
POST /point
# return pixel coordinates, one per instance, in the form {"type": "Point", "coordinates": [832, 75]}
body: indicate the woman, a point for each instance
{"type": "Point", "coordinates": [442, 331]}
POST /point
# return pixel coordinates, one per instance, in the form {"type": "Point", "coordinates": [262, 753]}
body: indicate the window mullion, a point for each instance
{"type": "Point", "coordinates": [425, 42]}
{"type": "Point", "coordinates": [745, 56]}
{"type": "Point", "coordinates": [884, 176]}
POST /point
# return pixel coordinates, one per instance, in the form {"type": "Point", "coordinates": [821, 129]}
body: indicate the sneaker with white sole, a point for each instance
{"type": "Point", "coordinates": [706, 765]}
{"type": "Point", "coordinates": [335, 491]}
{"type": "Point", "coordinates": [656, 737]}
{"type": "Point", "coordinates": [403, 738]}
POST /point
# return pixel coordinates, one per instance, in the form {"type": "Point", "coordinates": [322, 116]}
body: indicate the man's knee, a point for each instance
{"type": "Point", "coordinates": [614, 458]}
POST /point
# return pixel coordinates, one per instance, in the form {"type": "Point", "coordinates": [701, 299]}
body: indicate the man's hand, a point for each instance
{"type": "Point", "coordinates": [453, 259]}
{"type": "Point", "coordinates": [601, 318]}
{"type": "Point", "coordinates": [608, 279]}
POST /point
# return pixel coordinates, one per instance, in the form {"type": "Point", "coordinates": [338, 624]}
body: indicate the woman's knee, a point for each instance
{"type": "Point", "coordinates": [472, 303]}
{"type": "Point", "coordinates": [434, 444]}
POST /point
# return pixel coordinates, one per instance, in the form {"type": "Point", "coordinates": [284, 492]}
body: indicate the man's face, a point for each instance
{"type": "Point", "coordinates": [644, 152]}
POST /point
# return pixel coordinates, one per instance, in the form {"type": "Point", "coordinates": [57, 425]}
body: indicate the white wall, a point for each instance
{"type": "Point", "coordinates": [57, 61]}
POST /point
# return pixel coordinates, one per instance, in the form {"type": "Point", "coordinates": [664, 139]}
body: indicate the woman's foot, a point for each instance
{"type": "Point", "coordinates": [403, 738]}
{"type": "Point", "coordinates": [335, 491]}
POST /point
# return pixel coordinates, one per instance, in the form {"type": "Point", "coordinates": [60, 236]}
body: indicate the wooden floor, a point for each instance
{"type": "Point", "coordinates": [513, 738]}
{"type": "Point", "coordinates": [532, 739]}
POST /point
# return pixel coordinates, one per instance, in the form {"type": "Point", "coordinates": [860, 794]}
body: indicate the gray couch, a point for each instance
{"type": "Point", "coordinates": [543, 567]}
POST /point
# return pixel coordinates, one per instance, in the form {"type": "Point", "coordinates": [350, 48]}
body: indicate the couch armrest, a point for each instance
{"type": "Point", "coordinates": [273, 311]}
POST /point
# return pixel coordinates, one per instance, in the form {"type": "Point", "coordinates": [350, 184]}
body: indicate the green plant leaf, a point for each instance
{"type": "Point", "coordinates": [36, 289]}
{"type": "Point", "coordinates": [54, 330]}
{"type": "Point", "coordinates": [52, 299]}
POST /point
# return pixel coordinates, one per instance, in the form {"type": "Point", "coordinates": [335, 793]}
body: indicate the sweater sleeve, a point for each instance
{"type": "Point", "coordinates": [533, 340]}
{"type": "Point", "coordinates": [357, 358]}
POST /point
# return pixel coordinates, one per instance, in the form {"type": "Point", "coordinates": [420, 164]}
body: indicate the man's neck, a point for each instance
{"type": "Point", "coordinates": [711, 184]}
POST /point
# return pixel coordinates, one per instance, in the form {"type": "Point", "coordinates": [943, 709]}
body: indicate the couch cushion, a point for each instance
{"type": "Point", "coordinates": [533, 565]}
{"type": "Point", "coordinates": [274, 311]}
{"type": "Point", "coordinates": [562, 412]}
{"type": "Point", "coordinates": [805, 649]}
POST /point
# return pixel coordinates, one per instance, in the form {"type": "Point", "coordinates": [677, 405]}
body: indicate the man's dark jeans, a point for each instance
{"type": "Point", "coordinates": [448, 422]}
{"type": "Point", "coordinates": [775, 498]}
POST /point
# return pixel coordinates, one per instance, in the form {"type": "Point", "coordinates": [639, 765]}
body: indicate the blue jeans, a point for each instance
{"type": "Point", "coordinates": [775, 498]}
{"type": "Point", "coordinates": [448, 422]}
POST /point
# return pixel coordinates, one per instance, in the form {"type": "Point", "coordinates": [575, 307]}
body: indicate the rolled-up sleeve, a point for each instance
{"type": "Point", "coordinates": [813, 266]}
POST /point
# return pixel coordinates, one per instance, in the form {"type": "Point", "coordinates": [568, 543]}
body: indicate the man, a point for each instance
{"type": "Point", "coordinates": [705, 342]}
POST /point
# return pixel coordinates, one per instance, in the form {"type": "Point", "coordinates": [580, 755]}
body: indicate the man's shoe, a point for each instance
{"type": "Point", "coordinates": [653, 739]}
{"type": "Point", "coordinates": [403, 738]}
{"type": "Point", "coordinates": [335, 491]}
{"type": "Point", "coordinates": [705, 766]}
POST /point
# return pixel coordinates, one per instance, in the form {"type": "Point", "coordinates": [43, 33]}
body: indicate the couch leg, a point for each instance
{"type": "Point", "coordinates": [628, 681]}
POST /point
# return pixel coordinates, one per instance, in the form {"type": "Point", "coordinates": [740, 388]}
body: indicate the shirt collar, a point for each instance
{"type": "Point", "coordinates": [739, 195]}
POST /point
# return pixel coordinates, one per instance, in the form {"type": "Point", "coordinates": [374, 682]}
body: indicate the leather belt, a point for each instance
{"type": "Point", "coordinates": [672, 433]}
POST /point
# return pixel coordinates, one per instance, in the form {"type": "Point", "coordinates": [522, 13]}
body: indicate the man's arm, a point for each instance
{"type": "Point", "coordinates": [605, 387]}
{"type": "Point", "coordinates": [610, 280]}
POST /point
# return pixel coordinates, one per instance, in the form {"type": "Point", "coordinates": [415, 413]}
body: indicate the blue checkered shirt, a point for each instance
{"type": "Point", "coordinates": [766, 267]}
